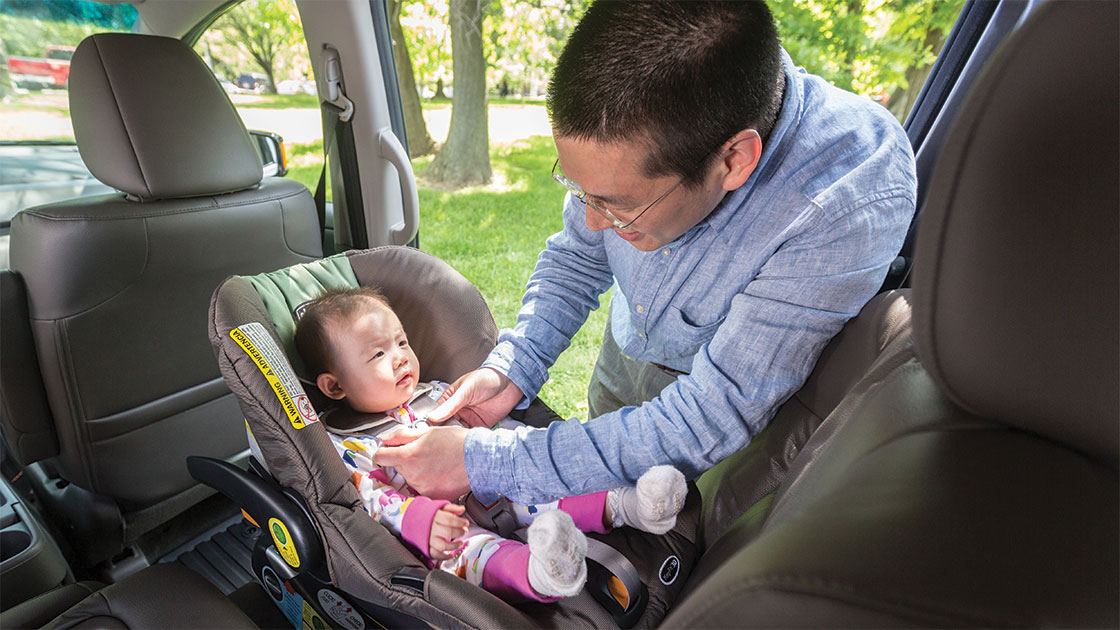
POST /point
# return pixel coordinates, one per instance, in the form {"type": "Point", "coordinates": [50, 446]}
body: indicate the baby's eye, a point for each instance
{"type": "Point", "coordinates": [378, 354]}
{"type": "Point", "coordinates": [403, 343]}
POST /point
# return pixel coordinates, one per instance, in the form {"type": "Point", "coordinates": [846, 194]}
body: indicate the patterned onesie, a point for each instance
{"type": "Point", "coordinates": [486, 559]}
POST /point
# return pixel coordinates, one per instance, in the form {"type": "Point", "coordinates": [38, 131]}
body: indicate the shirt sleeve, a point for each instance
{"type": "Point", "coordinates": [570, 275]}
{"type": "Point", "coordinates": [761, 354]}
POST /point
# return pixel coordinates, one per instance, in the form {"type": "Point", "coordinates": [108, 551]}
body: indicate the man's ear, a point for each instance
{"type": "Point", "coordinates": [745, 152]}
{"type": "Point", "coordinates": [330, 386]}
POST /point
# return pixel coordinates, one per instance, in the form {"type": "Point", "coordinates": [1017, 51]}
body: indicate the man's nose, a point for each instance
{"type": "Point", "coordinates": [595, 221]}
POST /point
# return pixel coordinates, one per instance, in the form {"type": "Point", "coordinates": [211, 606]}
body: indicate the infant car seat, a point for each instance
{"type": "Point", "coordinates": [326, 561]}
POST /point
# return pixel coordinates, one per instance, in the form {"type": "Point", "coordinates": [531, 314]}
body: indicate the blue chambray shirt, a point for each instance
{"type": "Point", "coordinates": [744, 302]}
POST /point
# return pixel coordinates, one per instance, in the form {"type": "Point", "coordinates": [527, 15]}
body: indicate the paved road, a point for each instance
{"type": "Point", "coordinates": [42, 115]}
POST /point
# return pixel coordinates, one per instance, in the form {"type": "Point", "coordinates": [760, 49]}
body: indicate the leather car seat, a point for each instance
{"type": "Point", "coordinates": [117, 287]}
{"type": "Point", "coordinates": [160, 596]}
{"type": "Point", "coordinates": [970, 478]}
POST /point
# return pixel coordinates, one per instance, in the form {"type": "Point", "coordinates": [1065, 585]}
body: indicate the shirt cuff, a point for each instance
{"type": "Point", "coordinates": [527, 375]}
{"type": "Point", "coordinates": [416, 523]}
{"type": "Point", "coordinates": [487, 456]}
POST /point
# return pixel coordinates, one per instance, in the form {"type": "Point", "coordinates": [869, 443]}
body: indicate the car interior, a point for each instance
{"type": "Point", "coordinates": [951, 461]}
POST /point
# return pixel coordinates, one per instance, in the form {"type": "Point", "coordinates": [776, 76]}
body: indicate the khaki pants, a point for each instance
{"type": "Point", "coordinates": [620, 381]}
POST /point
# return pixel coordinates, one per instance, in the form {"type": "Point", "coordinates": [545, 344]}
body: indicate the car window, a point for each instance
{"type": "Point", "coordinates": [258, 53]}
{"type": "Point", "coordinates": [256, 50]}
{"type": "Point", "coordinates": [39, 162]}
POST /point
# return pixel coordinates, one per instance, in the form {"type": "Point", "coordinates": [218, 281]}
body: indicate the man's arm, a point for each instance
{"type": "Point", "coordinates": [570, 275]}
{"type": "Point", "coordinates": [761, 354]}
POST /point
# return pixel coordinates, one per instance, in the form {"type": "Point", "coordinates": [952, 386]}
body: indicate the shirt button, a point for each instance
{"type": "Point", "coordinates": [640, 308]}
{"type": "Point", "coordinates": [666, 251]}
{"type": "Point", "coordinates": [641, 336]}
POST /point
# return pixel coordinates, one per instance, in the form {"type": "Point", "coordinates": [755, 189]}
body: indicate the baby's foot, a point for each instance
{"type": "Point", "coordinates": [556, 555]}
{"type": "Point", "coordinates": [652, 506]}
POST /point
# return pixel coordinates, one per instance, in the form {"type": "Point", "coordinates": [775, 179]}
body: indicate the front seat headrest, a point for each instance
{"type": "Point", "coordinates": [1015, 282]}
{"type": "Point", "coordinates": [151, 120]}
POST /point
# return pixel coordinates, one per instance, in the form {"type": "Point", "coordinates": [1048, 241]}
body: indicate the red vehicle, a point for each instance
{"type": "Point", "coordinates": [50, 71]}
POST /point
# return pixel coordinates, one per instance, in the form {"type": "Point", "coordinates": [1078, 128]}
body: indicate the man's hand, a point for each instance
{"type": "Point", "coordinates": [431, 459]}
{"type": "Point", "coordinates": [479, 399]}
{"type": "Point", "coordinates": [448, 529]}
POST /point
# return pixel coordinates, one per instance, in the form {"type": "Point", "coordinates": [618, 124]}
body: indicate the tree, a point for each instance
{"type": "Point", "coordinates": [266, 30]}
{"type": "Point", "coordinates": [428, 35]}
{"type": "Point", "coordinates": [880, 49]}
{"type": "Point", "coordinates": [525, 39]}
{"type": "Point", "coordinates": [419, 140]}
{"type": "Point", "coordinates": [464, 159]}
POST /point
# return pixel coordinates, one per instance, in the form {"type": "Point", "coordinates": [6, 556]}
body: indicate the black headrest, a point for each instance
{"type": "Point", "coordinates": [1016, 281]}
{"type": "Point", "coordinates": [150, 119]}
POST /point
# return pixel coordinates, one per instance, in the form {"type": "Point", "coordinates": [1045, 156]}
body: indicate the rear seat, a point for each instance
{"type": "Point", "coordinates": [160, 596]}
{"type": "Point", "coordinates": [738, 491]}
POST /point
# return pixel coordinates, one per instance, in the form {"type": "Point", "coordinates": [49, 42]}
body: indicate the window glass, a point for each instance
{"type": "Point", "coordinates": [39, 162]}
{"type": "Point", "coordinates": [258, 53]}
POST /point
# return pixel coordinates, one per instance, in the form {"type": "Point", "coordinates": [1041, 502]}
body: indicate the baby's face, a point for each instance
{"type": "Point", "coordinates": [375, 367]}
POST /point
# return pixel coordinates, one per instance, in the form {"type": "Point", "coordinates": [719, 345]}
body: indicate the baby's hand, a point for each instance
{"type": "Point", "coordinates": [448, 529]}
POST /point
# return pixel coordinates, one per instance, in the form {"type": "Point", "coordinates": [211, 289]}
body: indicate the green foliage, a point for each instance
{"type": "Point", "coordinates": [29, 36]}
{"type": "Point", "coordinates": [283, 101]}
{"type": "Point", "coordinates": [264, 35]}
{"type": "Point", "coordinates": [869, 47]}
{"type": "Point", "coordinates": [522, 40]}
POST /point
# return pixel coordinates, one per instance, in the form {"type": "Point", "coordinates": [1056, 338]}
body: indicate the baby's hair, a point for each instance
{"type": "Point", "coordinates": [313, 328]}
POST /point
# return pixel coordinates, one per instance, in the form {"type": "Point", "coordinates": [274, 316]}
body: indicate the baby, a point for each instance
{"type": "Point", "coordinates": [355, 344]}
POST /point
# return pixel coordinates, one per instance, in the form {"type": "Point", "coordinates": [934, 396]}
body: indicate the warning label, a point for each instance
{"type": "Point", "coordinates": [272, 363]}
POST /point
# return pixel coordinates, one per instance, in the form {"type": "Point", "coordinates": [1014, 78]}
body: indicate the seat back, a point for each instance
{"type": "Point", "coordinates": [970, 477]}
{"type": "Point", "coordinates": [117, 285]}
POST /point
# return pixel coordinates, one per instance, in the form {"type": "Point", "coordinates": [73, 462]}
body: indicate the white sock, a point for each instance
{"type": "Point", "coordinates": [652, 506]}
{"type": "Point", "coordinates": [556, 555]}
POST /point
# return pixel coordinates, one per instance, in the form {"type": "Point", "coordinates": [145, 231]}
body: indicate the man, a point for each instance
{"type": "Point", "coordinates": [742, 209]}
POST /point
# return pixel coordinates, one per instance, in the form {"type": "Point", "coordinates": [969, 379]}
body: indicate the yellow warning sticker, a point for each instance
{"type": "Point", "coordinates": [284, 543]}
{"type": "Point", "coordinates": [272, 363]}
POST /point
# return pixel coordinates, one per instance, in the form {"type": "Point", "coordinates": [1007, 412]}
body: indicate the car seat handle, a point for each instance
{"type": "Point", "coordinates": [268, 506]}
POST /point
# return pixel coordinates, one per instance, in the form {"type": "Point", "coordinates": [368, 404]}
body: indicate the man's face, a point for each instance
{"type": "Point", "coordinates": [612, 173]}
{"type": "Point", "coordinates": [375, 366]}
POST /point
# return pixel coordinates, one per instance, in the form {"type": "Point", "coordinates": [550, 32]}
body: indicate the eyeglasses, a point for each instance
{"type": "Point", "coordinates": [597, 205]}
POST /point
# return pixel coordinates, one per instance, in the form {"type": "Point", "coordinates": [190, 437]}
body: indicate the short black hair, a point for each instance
{"type": "Point", "coordinates": [312, 330]}
{"type": "Point", "coordinates": [681, 77]}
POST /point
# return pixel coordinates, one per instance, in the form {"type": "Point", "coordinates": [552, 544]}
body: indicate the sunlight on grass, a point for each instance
{"type": "Point", "coordinates": [492, 235]}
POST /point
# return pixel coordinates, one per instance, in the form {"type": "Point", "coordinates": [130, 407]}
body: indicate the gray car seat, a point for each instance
{"type": "Point", "coordinates": [108, 378]}
{"type": "Point", "coordinates": [970, 477]}
{"type": "Point", "coordinates": [159, 596]}
{"type": "Point", "coordinates": [329, 542]}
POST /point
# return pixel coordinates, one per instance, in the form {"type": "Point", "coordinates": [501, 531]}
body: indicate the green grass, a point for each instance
{"type": "Point", "coordinates": [283, 101]}
{"type": "Point", "coordinates": [492, 100]}
{"type": "Point", "coordinates": [492, 235]}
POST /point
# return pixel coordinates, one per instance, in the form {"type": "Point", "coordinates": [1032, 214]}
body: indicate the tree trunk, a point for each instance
{"type": "Point", "coordinates": [419, 140]}
{"type": "Point", "coordinates": [903, 99]}
{"type": "Point", "coordinates": [464, 159]}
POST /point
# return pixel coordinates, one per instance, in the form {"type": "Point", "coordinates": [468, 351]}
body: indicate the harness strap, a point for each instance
{"type": "Point", "coordinates": [499, 517]}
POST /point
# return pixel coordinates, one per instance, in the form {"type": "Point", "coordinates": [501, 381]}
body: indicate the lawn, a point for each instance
{"type": "Point", "coordinates": [492, 235]}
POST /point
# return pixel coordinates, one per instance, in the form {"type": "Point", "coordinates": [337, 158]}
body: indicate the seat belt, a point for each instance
{"type": "Point", "coordinates": [337, 111]}
{"type": "Point", "coordinates": [331, 115]}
